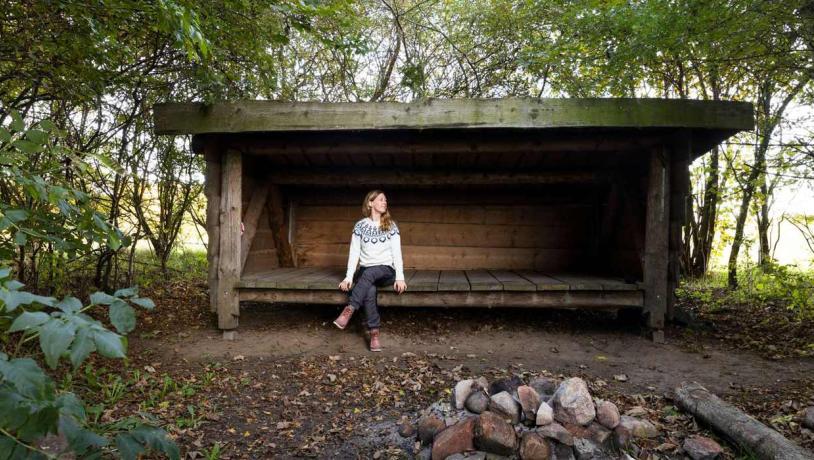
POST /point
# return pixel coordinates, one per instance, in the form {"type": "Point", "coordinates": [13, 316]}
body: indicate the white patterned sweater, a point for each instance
{"type": "Point", "coordinates": [369, 246]}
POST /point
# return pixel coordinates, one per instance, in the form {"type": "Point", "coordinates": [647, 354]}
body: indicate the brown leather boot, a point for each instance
{"type": "Point", "coordinates": [342, 321]}
{"type": "Point", "coordinates": [374, 340]}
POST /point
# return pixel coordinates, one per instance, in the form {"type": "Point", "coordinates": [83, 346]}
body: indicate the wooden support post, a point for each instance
{"type": "Point", "coordinates": [229, 250]}
{"type": "Point", "coordinates": [680, 154]}
{"type": "Point", "coordinates": [250, 220]}
{"type": "Point", "coordinates": [212, 184]}
{"type": "Point", "coordinates": [656, 238]}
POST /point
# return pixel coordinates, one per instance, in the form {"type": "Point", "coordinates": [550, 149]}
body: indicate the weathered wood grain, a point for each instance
{"type": "Point", "coordinates": [494, 299]}
{"type": "Point", "coordinates": [262, 116]}
{"type": "Point", "coordinates": [656, 238]}
{"type": "Point", "coordinates": [212, 185]}
{"type": "Point", "coordinates": [229, 263]}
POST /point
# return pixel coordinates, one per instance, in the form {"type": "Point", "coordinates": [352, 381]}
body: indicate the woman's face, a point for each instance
{"type": "Point", "coordinates": [379, 204]}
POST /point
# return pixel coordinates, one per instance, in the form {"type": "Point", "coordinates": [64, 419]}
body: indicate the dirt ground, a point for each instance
{"type": "Point", "coordinates": [293, 385]}
{"type": "Point", "coordinates": [562, 342]}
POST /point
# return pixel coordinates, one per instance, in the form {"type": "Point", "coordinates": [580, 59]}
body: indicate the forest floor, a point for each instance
{"type": "Point", "coordinates": [293, 385]}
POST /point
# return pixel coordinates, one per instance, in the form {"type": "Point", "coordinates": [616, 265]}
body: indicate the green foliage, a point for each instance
{"type": "Point", "coordinates": [782, 286]}
{"type": "Point", "coordinates": [47, 209]}
{"type": "Point", "coordinates": [31, 406]}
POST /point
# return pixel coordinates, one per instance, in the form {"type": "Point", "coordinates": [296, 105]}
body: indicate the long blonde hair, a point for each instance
{"type": "Point", "coordinates": [386, 220]}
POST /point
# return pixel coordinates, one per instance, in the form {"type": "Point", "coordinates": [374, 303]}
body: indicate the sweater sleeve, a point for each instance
{"type": "Point", "coordinates": [398, 263]}
{"type": "Point", "coordinates": [353, 257]}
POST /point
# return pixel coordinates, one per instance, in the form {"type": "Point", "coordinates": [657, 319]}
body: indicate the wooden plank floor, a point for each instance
{"type": "Point", "coordinates": [312, 278]}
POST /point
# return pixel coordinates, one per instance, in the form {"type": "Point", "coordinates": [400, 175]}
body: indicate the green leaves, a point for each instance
{"type": "Point", "coordinates": [109, 344]}
{"type": "Point", "coordinates": [26, 377]}
{"type": "Point", "coordinates": [55, 338]}
{"type": "Point", "coordinates": [122, 316]}
{"type": "Point", "coordinates": [139, 440]}
{"type": "Point", "coordinates": [30, 406]}
{"type": "Point", "coordinates": [27, 320]}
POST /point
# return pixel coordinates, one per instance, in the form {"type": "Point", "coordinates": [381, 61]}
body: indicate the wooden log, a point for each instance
{"type": "Point", "coordinates": [212, 185]}
{"type": "Point", "coordinates": [250, 221]}
{"type": "Point", "coordinates": [229, 250]}
{"type": "Point", "coordinates": [748, 433]}
{"type": "Point", "coordinates": [280, 226]}
{"type": "Point", "coordinates": [334, 177]}
{"type": "Point", "coordinates": [656, 238]}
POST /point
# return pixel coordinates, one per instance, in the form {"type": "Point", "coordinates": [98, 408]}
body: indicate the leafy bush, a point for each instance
{"type": "Point", "coordinates": [783, 285]}
{"type": "Point", "coordinates": [31, 406]}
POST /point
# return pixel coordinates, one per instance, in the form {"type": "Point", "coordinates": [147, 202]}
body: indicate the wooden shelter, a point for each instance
{"type": "Point", "coordinates": [561, 203]}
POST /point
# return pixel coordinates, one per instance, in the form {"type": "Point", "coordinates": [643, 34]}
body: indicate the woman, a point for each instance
{"type": "Point", "coordinates": [376, 245]}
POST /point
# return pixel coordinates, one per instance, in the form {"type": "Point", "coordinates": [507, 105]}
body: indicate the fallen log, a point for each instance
{"type": "Point", "coordinates": [740, 428]}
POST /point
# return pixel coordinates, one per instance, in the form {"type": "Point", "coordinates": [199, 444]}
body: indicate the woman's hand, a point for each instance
{"type": "Point", "coordinates": [399, 286]}
{"type": "Point", "coordinates": [345, 285]}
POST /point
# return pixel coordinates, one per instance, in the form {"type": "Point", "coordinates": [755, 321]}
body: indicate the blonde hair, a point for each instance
{"type": "Point", "coordinates": [386, 220]}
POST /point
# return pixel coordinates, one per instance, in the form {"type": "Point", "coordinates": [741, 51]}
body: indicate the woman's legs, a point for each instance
{"type": "Point", "coordinates": [363, 294]}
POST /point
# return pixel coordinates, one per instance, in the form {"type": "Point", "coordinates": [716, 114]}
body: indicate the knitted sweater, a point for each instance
{"type": "Point", "coordinates": [369, 246]}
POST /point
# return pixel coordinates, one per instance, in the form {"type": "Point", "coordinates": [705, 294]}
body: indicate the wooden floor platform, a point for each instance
{"type": "Point", "coordinates": [449, 288]}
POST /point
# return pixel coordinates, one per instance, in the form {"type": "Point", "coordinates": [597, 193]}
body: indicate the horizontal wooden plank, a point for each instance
{"type": "Point", "coordinates": [455, 258]}
{"type": "Point", "coordinates": [424, 280]}
{"type": "Point", "coordinates": [495, 299]}
{"type": "Point", "coordinates": [264, 116]}
{"type": "Point", "coordinates": [512, 281]}
{"type": "Point", "coordinates": [548, 216]}
{"type": "Point", "coordinates": [453, 280]}
{"type": "Point", "coordinates": [543, 282]}
{"type": "Point", "coordinates": [482, 280]}
{"type": "Point", "coordinates": [471, 235]}
{"type": "Point", "coordinates": [333, 177]}
{"type": "Point", "coordinates": [580, 282]}
{"type": "Point", "coordinates": [549, 196]}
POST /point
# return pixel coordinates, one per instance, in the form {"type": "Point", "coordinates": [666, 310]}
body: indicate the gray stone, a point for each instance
{"type": "Point", "coordinates": [544, 386]}
{"type": "Point", "coordinates": [424, 454]}
{"type": "Point", "coordinates": [607, 414]}
{"type": "Point", "coordinates": [505, 406]}
{"type": "Point", "coordinates": [558, 432]}
{"type": "Point", "coordinates": [477, 402]}
{"type": "Point", "coordinates": [461, 392]}
{"type": "Point", "coordinates": [594, 432]}
{"type": "Point", "coordinates": [585, 449]}
{"type": "Point", "coordinates": [702, 448]}
{"type": "Point", "coordinates": [545, 414]}
{"type": "Point", "coordinates": [508, 385]}
{"type": "Point", "coordinates": [561, 451]}
{"type": "Point", "coordinates": [638, 428]}
{"type": "Point", "coordinates": [808, 418]}
{"type": "Point", "coordinates": [572, 402]}
{"type": "Point", "coordinates": [529, 402]}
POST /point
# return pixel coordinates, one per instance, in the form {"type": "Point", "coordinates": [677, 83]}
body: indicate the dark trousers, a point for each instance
{"type": "Point", "coordinates": [363, 294]}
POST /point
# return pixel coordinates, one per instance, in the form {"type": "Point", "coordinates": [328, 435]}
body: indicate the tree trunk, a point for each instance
{"type": "Point", "coordinates": [708, 213]}
{"type": "Point", "coordinates": [767, 122]}
{"type": "Point", "coordinates": [763, 224]}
